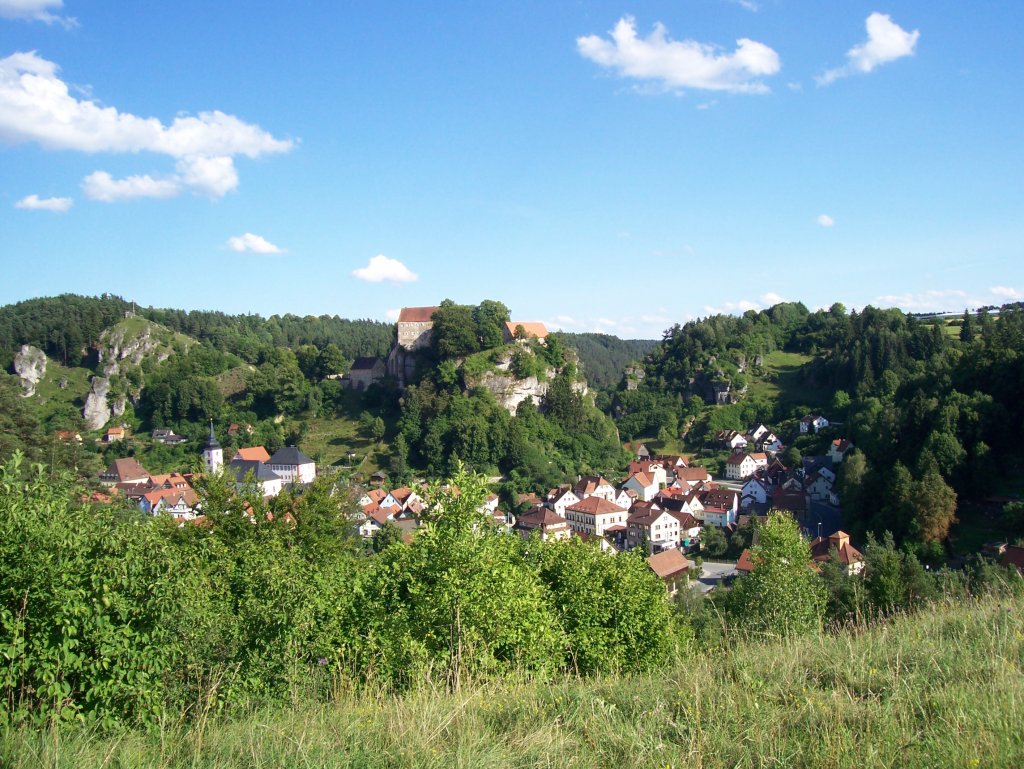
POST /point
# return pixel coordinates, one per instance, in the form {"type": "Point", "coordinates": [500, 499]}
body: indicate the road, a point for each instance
{"type": "Point", "coordinates": [713, 573]}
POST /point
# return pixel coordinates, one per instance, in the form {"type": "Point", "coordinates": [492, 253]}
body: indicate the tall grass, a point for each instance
{"type": "Point", "coordinates": [942, 688]}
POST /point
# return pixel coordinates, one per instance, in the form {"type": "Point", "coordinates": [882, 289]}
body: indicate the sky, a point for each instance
{"type": "Point", "coordinates": [598, 166]}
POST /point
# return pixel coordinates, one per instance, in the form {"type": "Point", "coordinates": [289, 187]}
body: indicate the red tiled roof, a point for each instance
{"type": "Point", "coordinates": [595, 506]}
{"type": "Point", "coordinates": [668, 563]}
{"type": "Point", "coordinates": [532, 329]}
{"type": "Point", "coordinates": [416, 314]}
{"type": "Point", "coordinates": [257, 453]}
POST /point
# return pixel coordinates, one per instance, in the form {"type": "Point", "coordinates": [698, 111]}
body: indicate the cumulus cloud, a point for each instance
{"type": "Point", "coordinates": [35, 203]}
{"type": "Point", "coordinates": [392, 314]}
{"type": "Point", "coordinates": [886, 42]}
{"type": "Point", "coordinates": [37, 106]}
{"type": "Point", "coordinates": [100, 185]}
{"type": "Point", "coordinates": [825, 220]}
{"type": "Point", "coordinates": [680, 64]}
{"type": "Point", "coordinates": [748, 5]}
{"type": "Point", "coordinates": [35, 10]}
{"type": "Point", "coordinates": [743, 305]}
{"type": "Point", "coordinates": [254, 244]}
{"type": "Point", "coordinates": [383, 268]}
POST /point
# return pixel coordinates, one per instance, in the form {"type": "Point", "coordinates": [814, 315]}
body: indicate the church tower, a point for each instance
{"type": "Point", "coordinates": [213, 454]}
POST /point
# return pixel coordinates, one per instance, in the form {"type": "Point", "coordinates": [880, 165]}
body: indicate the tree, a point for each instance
{"type": "Point", "coordinates": [454, 334]}
{"type": "Point", "coordinates": [782, 595]}
{"type": "Point", "coordinates": [883, 574]}
{"type": "Point", "coordinates": [934, 507]}
{"type": "Point", "coordinates": [712, 541]}
{"type": "Point", "coordinates": [490, 318]}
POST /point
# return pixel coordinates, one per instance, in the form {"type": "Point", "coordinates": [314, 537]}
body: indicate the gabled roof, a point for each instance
{"type": "Point", "coordinates": [668, 563]}
{"type": "Point", "coordinates": [242, 467]}
{"type": "Point", "coordinates": [848, 554]}
{"type": "Point", "coordinates": [595, 506]}
{"type": "Point", "coordinates": [642, 478]}
{"type": "Point", "coordinates": [127, 468]}
{"type": "Point", "coordinates": [256, 453]}
{"type": "Point", "coordinates": [532, 329]}
{"type": "Point", "coordinates": [744, 565]}
{"type": "Point", "coordinates": [416, 314]}
{"type": "Point", "coordinates": [540, 517]}
{"type": "Point", "coordinates": [289, 455]}
{"type": "Point", "coordinates": [172, 497]}
{"type": "Point", "coordinates": [364, 364]}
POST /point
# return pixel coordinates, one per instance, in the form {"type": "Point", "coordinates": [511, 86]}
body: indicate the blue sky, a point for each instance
{"type": "Point", "coordinates": [598, 166]}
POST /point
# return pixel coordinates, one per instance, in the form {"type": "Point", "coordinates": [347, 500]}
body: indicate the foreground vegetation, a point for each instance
{"type": "Point", "coordinates": [942, 688]}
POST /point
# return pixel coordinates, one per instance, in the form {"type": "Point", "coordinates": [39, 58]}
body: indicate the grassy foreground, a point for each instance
{"type": "Point", "coordinates": [944, 688]}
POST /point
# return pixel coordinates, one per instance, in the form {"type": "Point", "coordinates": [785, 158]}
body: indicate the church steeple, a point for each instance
{"type": "Point", "coordinates": [213, 454]}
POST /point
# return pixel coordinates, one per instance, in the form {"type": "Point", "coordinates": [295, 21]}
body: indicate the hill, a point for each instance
{"type": "Point", "coordinates": [603, 357]}
{"type": "Point", "coordinates": [904, 692]}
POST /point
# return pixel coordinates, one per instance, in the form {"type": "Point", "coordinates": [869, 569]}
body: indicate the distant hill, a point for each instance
{"type": "Point", "coordinates": [604, 357]}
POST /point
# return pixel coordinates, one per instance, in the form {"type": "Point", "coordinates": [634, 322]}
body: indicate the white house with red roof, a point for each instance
{"type": "Point", "coordinates": [644, 486]}
{"type": "Point", "coordinates": [838, 450]}
{"type": "Point", "coordinates": [594, 515]}
{"type": "Point", "coordinates": [740, 466]}
{"type": "Point", "coordinates": [594, 486]}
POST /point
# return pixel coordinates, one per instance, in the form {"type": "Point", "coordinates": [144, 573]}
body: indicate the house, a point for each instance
{"type": "Point", "coordinates": [771, 444]}
{"type": "Point", "coordinates": [246, 470]}
{"type": "Point", "coordinates": [127, 470]}
{"type": "Point", "coordinates": [813, 423]}
{"type": "Point", "coordinates": [168, 437]}
{"type": "Point", "coordinates": [562, 499]}
{"type": "Point", "coordinates": [68, 436]}
{"type": "Point", "coordinates": [838, 450]}
{"type": "Point", "coordinates": [594, 515]}
{"type": "Point", "coordinates": [115, 434]}
{"type": "Point", "coordinates": [739, 466]}
{"type": "Point", "coordinates": [730, 439]}
{"type": "Point", "coordinates": [655, 470]}
{"type": "Point", "coordinates": [794, 502]}
{"type": "Point", "coordinates": [754, 492]}
{"type": "Point", "coordinates": [756, 433]}
{"type": "Point", "coordinates": [179, 503]}
{"type": "Point", "coordinates": [653, 527]}
{"type": "Point", "coordinates": [292, 465]}
{"type": "Point", "coordinates": [820, 487]}
{"type": "Point", "coordinates": [850, 557]}
{"type": "Point", "coordinates": [672, 568]}
{"type": "Point", "coordinates": [744, 565]}
{"type": "Point", "coordinates": [364, 372]}
{"type": "Point", "coordinates": [689, 529]}
{"type": "Point", "coordinates": [549, 523]}
{"type": "Point", "coordinates": [414, 327]}
{"type": "Point", "coordinates": [594, 486]}
{"type": "Point", "coordinates": [607, 544]}
{"type": "Point", "coordinates": [644, 486]}
{"type": "Point", "coordinates": [517, 329]}
{"type": "Point", "coordinates": [692, 476]}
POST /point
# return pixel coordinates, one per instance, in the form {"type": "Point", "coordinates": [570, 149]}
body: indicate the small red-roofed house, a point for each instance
{"type": "Point", "coordinates": [672, 568]}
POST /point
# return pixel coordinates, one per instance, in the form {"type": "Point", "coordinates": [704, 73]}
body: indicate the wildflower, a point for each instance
{"type": "Point", "coordinates": [322, 661]}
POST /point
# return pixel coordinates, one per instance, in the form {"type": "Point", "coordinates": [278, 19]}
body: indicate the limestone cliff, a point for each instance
{"type": "Point", "coordinates": [30, 366]}
{"type": "Point", "coordinates": [121, 351]}
{"type": "Point", "coordinates": [510, 391]}
{"type": "Point", "coordinates": [97, 411]}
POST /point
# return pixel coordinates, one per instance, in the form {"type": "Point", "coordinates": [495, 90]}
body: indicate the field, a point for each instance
{"type": "Point", "coordinates": [943, 689]}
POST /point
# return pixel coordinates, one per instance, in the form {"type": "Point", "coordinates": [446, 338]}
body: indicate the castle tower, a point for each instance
{"type": "Point", "coordinates": [213, 454]}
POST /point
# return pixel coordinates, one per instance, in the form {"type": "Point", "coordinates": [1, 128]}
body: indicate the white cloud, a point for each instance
{"type": "Point", "coordinates": [35, 203]}
{"type": "Point", "coordinates": [825, 220]}
{"type": "Point", "coordinates": [100, 185]}
{"type": "Point", "coordinates": [771, 298]}
{"type": "Point", "coordinates": [681, 64]}
{"type": "Point", "coordinates": [886, 42]}
{"type": "Point", "coordinates": [255, 244]}
{"type": "Point", "coordinates": [37, 106]}
{"type": "Point", "coordinates": [743, 305]}
{"type": "Point", "coordinates": [35, 10]}
{"type": "Point", "coordinates": [382, 268]}
{"type": "Point", "coordinates": [392, 314]}
{"type": "Point", "coordinates": [748, 5]}
{"type": "Point", "coordinates": [1005, 292]}
{"type": "Point", "coordinates": [933, 300]}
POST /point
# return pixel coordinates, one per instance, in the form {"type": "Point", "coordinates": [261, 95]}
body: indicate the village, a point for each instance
{"type": "Point", "coordinates": [662, 504]}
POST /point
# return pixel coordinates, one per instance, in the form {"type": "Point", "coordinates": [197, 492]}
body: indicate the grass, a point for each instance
{"type": "Point", "coordinates": [942, 689]}
{"type": "Point", "coordinates": [782, 384]}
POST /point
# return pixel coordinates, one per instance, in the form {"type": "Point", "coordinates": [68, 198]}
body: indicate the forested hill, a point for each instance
{"type": "Point", "coordinates": [604, 357]}
{"type": "Point", "coordinates": [934, 406]}
{"type": "Point", "coordinates": [65, 326]}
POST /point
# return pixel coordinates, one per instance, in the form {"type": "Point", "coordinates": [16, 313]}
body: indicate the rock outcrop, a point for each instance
{"type": "Point", "coordinates": [30, 366]}
{"type": "Point", "coordinates": [119, 344]}
{"type": "Point", "coordinates": [97, 410]}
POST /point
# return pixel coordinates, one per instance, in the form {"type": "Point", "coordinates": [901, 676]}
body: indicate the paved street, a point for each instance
{"type": "Point", "coordinates": [713, 573]}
